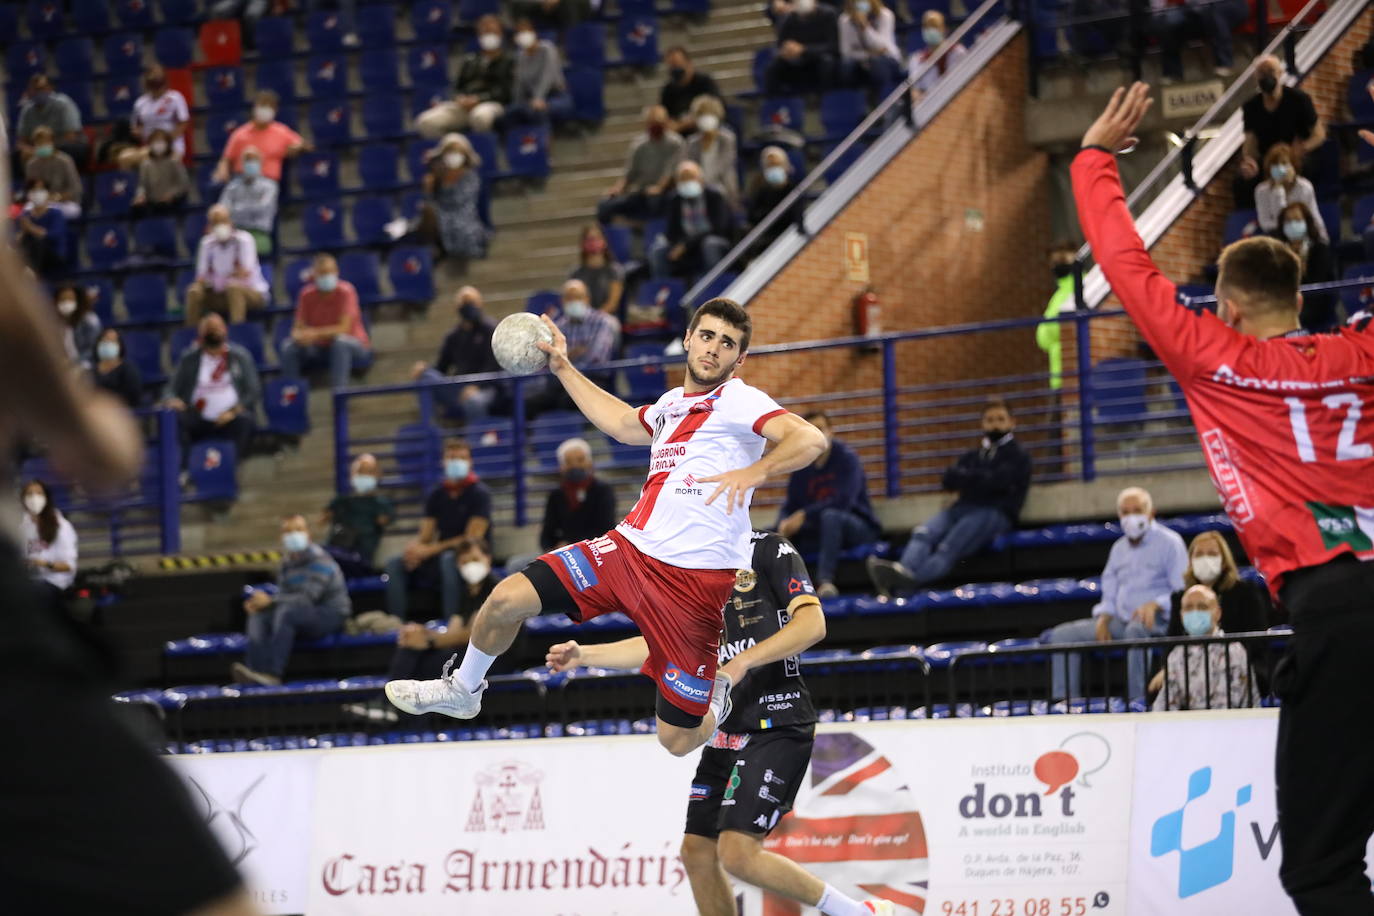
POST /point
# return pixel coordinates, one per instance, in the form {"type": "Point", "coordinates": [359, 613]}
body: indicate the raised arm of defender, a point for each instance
{"type": "Point", "coordinates": [611, 415]}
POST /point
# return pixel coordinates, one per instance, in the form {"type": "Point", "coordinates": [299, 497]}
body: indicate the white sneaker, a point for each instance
{"type": "Point", "coordinates": [443, 695]}
{"type": "Point", "coordinates": [881, 907]}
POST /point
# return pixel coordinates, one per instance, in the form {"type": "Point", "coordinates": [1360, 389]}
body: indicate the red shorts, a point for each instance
{"type": "Point", "coordinates": [678, 610]}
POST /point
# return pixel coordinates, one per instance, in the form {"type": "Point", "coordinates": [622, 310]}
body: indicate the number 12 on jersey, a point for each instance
{"type": "Point", "coordinates": [1347, 449]}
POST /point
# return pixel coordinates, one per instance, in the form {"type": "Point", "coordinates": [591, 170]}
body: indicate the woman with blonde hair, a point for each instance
{"type": "Point", "coordinates": [1244, 605]}
{"type": "Point", "coordinates": [1283, 185]}
{"type": "Point", "coordinates": [714, 148]}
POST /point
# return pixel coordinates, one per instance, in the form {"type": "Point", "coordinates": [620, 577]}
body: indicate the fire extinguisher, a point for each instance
{"type": "Point", "coordinates": [868, 314]}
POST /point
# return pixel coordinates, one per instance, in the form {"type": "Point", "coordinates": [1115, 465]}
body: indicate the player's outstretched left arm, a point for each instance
{"type": "Point", "coordinates": [611, 415]}
{"type": "Point", "coordinates": [798, 444]}
{"type": "Point", "coordinates": [804, 630]}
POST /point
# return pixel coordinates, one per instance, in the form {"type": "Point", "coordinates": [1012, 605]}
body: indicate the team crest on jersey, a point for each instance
{"type": "Point", "coordinates": [745, 580]}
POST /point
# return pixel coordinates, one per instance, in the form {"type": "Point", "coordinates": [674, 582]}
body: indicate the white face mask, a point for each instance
{"type": "Point", "coordinates": [806, 7]}
{"type": "Point", "coordinates": [577, 309]}
{"type": "Point", "coordinates": [35, 503]}
{"type": "Point", "coordinates": [525, 39]}
{"type": "Point", "coordinates": [489, 41]}
{"type": "Point", "coordinates": [708, 123]}
{"type": "Point", "coordinates": [455, 160]}
{"type": "Point", "coordinates": [38, 197]}
{"type": "Point", "coordinates": [1207, 569]}
{"type": "Point", "coordinates": [223, 231]}
{"type": "Point", "coordinates": [263, 114]}
{"type": "Point", "coordinates": [474, 571]}
{"type": "Point", "coordinates": [66, 307]}
{"type": "Point", "coordinates": [1135, 525]}
{"type": "Point", "coordinates": [158, 147]}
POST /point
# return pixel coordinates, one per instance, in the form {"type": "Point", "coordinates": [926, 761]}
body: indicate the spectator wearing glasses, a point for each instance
{"type": "Point", "coordinates": [698, 228]}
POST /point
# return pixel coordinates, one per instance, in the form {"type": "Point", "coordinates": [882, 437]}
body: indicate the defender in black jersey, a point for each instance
{"type": "Point", "coordinates": [752, 767]}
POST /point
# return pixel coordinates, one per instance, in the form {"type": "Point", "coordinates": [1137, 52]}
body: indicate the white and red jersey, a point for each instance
{"type": "Point", "coordinates": [696, 436]}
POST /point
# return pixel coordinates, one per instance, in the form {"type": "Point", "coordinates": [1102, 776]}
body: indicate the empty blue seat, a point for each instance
{"type": "Point", "coordinates": [370, 216]}
{"type": "Point", "coordinates": [786, 112]}
{"type": "Point", "coordinates": [544, 302]}
{"type": "Point", "coordinates": [45, 19]}
{"type": "Point", "coordinates": [379, 167]}
{"type": "Point", "coordinates": [193, 230]}
{"type": "Point", "coordinates": [294, 278]}
{"type": "Point", "coordinates": [183, 339]}
{"type": "Point", "coordinates": [144, 349]}
{"type": "Point", "coordinates": [275, 38]}
{"type": "Point", "coordinates": [411, 272]}
{"type": "Point", "coordinates": [145, 296]}
{"type": "Point", "coordinates": [156, 236]}
{"type": "Point", "coordinates": [470, 11]}
{"type": "Point", "coordinates": [213, 466]}
{"type": "Point", "coordinates": [586, 44]}
{"type": "Point", "coordinates": [363, 270]}
{"type": "Point", "coordinates": [107, 244]}
{"type": "Point", "coordinates": [219, 125]}
{"type": "Point", "coordinates": [279, 75]}
{"type": "Point", "coordinates": [383, 116]}
{"type": "Point", "coordinates": [123, 53]}
{"type": "Point", "coordinates": [100, 295]}
{"type": "Point", "coordinates": [224, 87]}
{"type": "Point", "coordinates": [120, 94]}
{"type": "Point", "coordinates": [180, 12]}
{"type": "Point", "coordinates": [638, 39]}
{"type": "Point", "coordinates": [427, 65]}
{"type": "Point", "coordinates": [324, 224]}
{"type": "Point", "coordinates": [75, 58]}
{"type": "Point", "coordinates": [645, 383]}
{"type": "Point", "coordinates": [324, 31]}
{"type": "Point", "coordinates": [1357, 94]}
{"type": "Point", "coordinates": [586, 86]}
{"type": "Point", "coordinates": [423, 98]}
{"type": "Point", "coordinates": [317, 172]}
{"type": "Point", "coordinates": [22, 60]}
{"type": "Point", "coordinates": [527, 151]}
{"type": "Point", "coordinates": [89, 17]}
{"type": "Point", "coordinates": [135, 14]}
{"type": "Point", "coordinates": [248, 334]}
{"type": "Point", "coordinates": [415, 449]}
{"type": "Point", "coordinates": [378, 68]}
{"type": "Point", "coordinates": [1362, 214]}
{"type": "Point", "coordinates": [842, 110]}
{"type": "Point", "coordinates": [79, 90]}
{"type": "Point", "coordinates": [691, 7]}
{"type": "Point", "coordinates": [327, 75]}
{"type": "Point", "coordinates": [1358, 298]}
{"type": "Point", "coordinates": [487, 149]}
{"type": "Point", "coordinates": [376, 25]}
{"type": "Point", "coordinates": [763, 57]}
{"type": "Point", "coordinates": [851, 155]}
{"type": "Point", "coordinates": [1240, 224]}
{"type": "Point", "coordinates": [174, 47]}
{"type": "Point", "coordinates": [431, 20]}
{"type": "Point", "coordinates": [331, 122]}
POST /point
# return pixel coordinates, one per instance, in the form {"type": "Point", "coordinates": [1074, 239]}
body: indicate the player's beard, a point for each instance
{"type": "Point", "coordinates": [706, 383]}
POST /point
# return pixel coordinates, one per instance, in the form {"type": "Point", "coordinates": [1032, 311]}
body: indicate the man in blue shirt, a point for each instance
{"type": "Point", "coordinates": [827, 507]}
{"type": "Point", "coordinates": [1145, 567]}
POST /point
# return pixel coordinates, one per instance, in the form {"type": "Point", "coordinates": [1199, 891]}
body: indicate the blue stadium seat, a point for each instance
{"type": "Point", "coordinates": [1357, 298]}
{"type": "Point", "coordinates": [174, 47]}
{"type": "Point", "coordinates": [644, 383]}
{"type": "Point", "coordinates": [294, 278]}
{"type": "Point", "coordinates": [638, 39]}
{"type": "Point", "coordinates": [383, 117]}
{"type": "Point", "coordinates": [100, 295]}
{"type": "Point", "coordinates": [378, 68]}
{"type": "Point", "coordinates": [527, 151]}
{"type": "Point", "coordinates": [411, 272]}
{"type": "Point", "coordinates": [427, 65]}
{"type": "Point", "coordinates": [144, 349]}
{"type": "Point", "coordinates": [277, 74]}
{"type": "Point", "coordinates": [586, 44]}
{"type": "Point", "coordinates": [123, 53]}
{"type": "Point", "coordinates": [370, 216]}
{"type": "Point", "coordinates": [485, 146]}
{"type": "Point", "coordinates": [107, 244]}
{"type": "Point", "coordinates": [327, 75]}
{"type": "Point", "coordinates": [587, 88]}
{"type": "Point", "coordinates": [469, 11]}
{"type": "Point", "coordinates": [331, 122]}
{"type": "Point", "coordinates": [762, 58]}
{"type": "Point", "coordinates": [9, 18]}
{"type": "Point", "coordinates": [379, 167]}
{"type": "Point", "coordinates": [248, 334]}
{"type": "Point", "coordinates": [89, 17]}
{"type": "Point", "coordinates": [22, 60]}
{"type": "Point", "coordinates": [275, 38]}
{"type": "Point", "coordinates": [193, 230]}
{"type": "Point", "coordinates": [145, 296]}
{"type": "Point", "coordinates": [224, 87]}
{"type": "Point", "coordinates": [324, 31]}
{"type": "Point", "coordinates": [667, 296]}
{"type": "Point", "coordinates": [156, 236]}
{"type": "Point", "coordinates": [180, 12]}
{"type": "Point", "coordinates": [842, 110]}
{"type": "Point", "coordinates": [183, 339]}
{"type": "Point", "coordinates": [75, 58]}
{"type": "Point", "coordinates": [135, 14]}
{"type": "Point", "coordinates": [619, 240]}
{"type": "Point", "coordinates": [317, 173]}
{"type": "Point", "coordinates": [45, 19]}
{"type": "Point", "coordinates": [422, 98]}
{"type": "Point", "coordinates": [1119, 390]}
{"type": "Point", "coordinates": [286, 402]}
{"type": "Point", "coordinates": [1357, 95]}
{"type": "Point", "coordinates": [80, 92]}
{"type": "Point", "coordinates": [376, 25]}
{"type": "Point", "coordinates": [847, 158]}
{"type": "Point", "coordinates": [213, 465]}
{"type": "Point", "coordinates": [782, 111]}
{"type": "Point", "coordinates": [716, 287]}
{"type": "Point", "coordinates": [431, 20]}
{"type": "Point", "coordinates": [363, 270]}
{"type": "Point", "coordinates": [544, 302]}
{"type": "Point", "coordinates": [120, 94]}
{"type": "Point", "coordinates": [218, 126]}
{"type": "Point", "coordinates": [1362, 214]}
{"type": "Point", "coordinates": [324, 223]}
{"type": "Point", "coordinates": [1240, 224]}
{"type": "Point", "coordinates": [691, 7]}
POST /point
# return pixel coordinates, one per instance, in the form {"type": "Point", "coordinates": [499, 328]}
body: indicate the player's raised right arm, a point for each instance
{"type": "Point", "coordinates": [611, 415]}
{"type": "Point", "coordinates": [627, 653]}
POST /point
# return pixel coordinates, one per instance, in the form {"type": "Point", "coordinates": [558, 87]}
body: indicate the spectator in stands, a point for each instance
{"type": "Point", "coordinates": [1171, 25]}
{"type": "Point", "coordinates": [638, 194]}
{"type": "Point", "coordinates": [1282, 185]}
{"type": "Point", "coordinates": [934, 34]}
{"type": "Point", "coordinates": [328, 328]}
{"type": "Point", "coordinates": [1211, 676]}
{"type": "Point", "coordinates": [215, 389]}
{"type": "Point", "coordinates": [113, 372]}
{"type": "Point", "coordinates": [1245, 605]}
{"type": "Point", "coordinates": [482, 91]}
{"type": "Point", "coordinates": [457, 509]}
{"type": "Point", "coordinates": [868, 45]}
{"type": "Point", "coordinates": [714, 148]}
{"type": "Point", "coordinates": [163, 183]}
{"type": "Point", "coordinates": [1299, 227]}
{"type": "Point", "coordinates": [50, 543]}
{"type": "Point", "coordinates": [43, 233]}
{"type": "Point", "coordinates": [539, 93]}
{"type": "Point", "coordinates": [766, 189]}
{"type": "Point", "coordinates": [808, 50]}
{"type": "Point", "coordinates": [229, 278]}
{"type": "Point", "coordinates": [80, 325]}
{"type": "Point", "coordinates": [552, 15]}
{"type": "Point", "coordinates": [1145, 567]}
{"type": "Point", "coordinates": [599, 271]}
{"type": "Point", "coordinates": [466, 350]}
{"type": "Point", "coordinates": [685, 83]}
{"type": "Point", "coordinates": [43, 106]}
{"type": "Point", "coordinates": [311, 602]}
{"type": "Point", "coordinates": [453, 188]}
{"type": "Point", "coordinates": [251, 198]}
{"type": "Point", "coordinates": [592, 334]}
{"type": "Point", "coordinates": [1047, 334]}
{"type": "Point", "coordinates": [827, 507]}
{"type": "Point", "coordinates": [991, 481]}
{"type": "Point", "coordinates": [159, 108]}
{"type": "Point", "coordinates": [57, 171]}
{"type": "Point", "coordinates": [270, 137]}
{"type": "Point", "coordinates": [1276, 114]}
{"type": "Point", "coordinates": [582, 506]}
{"type": "Point", "coordinates": [698, 227]}
{"type": "Point", "coordinates": [357, 520]}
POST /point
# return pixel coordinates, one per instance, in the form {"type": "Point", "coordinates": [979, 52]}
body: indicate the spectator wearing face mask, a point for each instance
{"type": "Point", "coordinates": [1283, 185]}
{"type": "Point", "coordinates": [1145, 567]}
{"type": "Point", "coordinates": [453, 187]}
{"type": "Point", "coordinates": [357, 520]}
{"type": "Point", "coordinates": [482, 91]}
{"type": "Point", "coordinates": [229, 278]}
{"type": "Point", "coordinates": [1245, 606]}
{"type": "Point", "coordinates": [58, 173]}
{"type": "Point", "coordinates": [43, 233]}
{"type": "Point", "coordinates": [458, 509]}
{"type": "Point", "coordinates": [251, 198]}
{"type": "Point", "coordinates": [934, 33]}
{"type": "Point", "coordinates": [698, 227]}
{"type": "Point", "coordinates": [1171, 24]}
{"type": "Point", "coordinates": [1275, 114]}
{"type": "Point", "coordinates": [466, 350]}
{"type": "Point", "coordinates": [868, 45]}
{"type": "Point", "coordinates": [808, 50]}
{"type": "Point", "coordinates": [115, 374]}
{"type": "Point", "coordinates": [766, 189]}
{"type": "Point", "coordinates": [1298, 227]}
{"type": "Point", "coordinates": [685, 83]}
{"type": "Point", "coordinates": [552, 15]}
{"type": "Point", "coordinates": [310, 602]}
{"type": "Point", "coordinates": [214, 389]}
{"type": "Point", "coordinates": [159, 109]}
{"type": "Point", "coordinates": [1210, 676]}
{"type": "Point", "coordinates": [80, 325]}
{"type": "Point", "coordinates": [714, 148]}
{"type": "Point", "coordinates": [163, 183]}
{"type": "Point", "coordinates": [599, 271]}
{"type": "Point", "coordinates": [582, 506]}
{"type": "Point", "coordinates": [328, 329]}
{"type": "Point", "coordinates": [43, 106]}
{"type": "Point", "coordinates": [539, 93]}
{"type": "Point", "coordinates": [638, 193]}
{"type": "Point", "coordinates": [270, 137]}
{"type": "Point", "coordinates": [50, 543]}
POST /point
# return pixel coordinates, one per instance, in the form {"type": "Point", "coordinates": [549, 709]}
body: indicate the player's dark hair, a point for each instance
{"type": "Point", "coordinates": [996, 403]}
{"type": "Point", "coordinates": [456, 443]}
{"type": "Point", "coordinates": [1262, 271]}
{"type": "Point", "coordinates": [728, 311]}
{"type": "Point", "coordinates": [465, 544]}
{"type": "Point", "coordinates": [816, 413]}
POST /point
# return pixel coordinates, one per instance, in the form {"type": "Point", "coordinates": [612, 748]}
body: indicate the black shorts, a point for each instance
{"type": "Point", "coordinates": [750, 789]}
{"type": "Point", "coordinates": [93, 821]}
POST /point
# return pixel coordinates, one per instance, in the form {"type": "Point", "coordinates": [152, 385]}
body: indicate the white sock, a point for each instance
{"type": "Point", "coordinates": [474, 668]}
{"type": "Point", "coordinates": [717, 704]}
{"type": "Point", "coordinates": [833, 903]}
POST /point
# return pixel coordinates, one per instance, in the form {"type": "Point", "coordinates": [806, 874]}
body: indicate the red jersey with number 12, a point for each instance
{"type": "Point", "coordinates": [1281, 421]}
{"type": "Point", "coordinates": [696, 436]}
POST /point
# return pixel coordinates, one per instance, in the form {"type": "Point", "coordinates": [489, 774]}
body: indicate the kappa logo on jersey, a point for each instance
{"type": "Point", "coordinates": [797, 586]}
{"type": "Point", "coordinates": [695, 689]}
{"type": "Point", "coordinates": [1340, 527]}
{"type": "Point", "coordinates": [784, 549]}
{"type": "Point", "coordinates": [578, 566]}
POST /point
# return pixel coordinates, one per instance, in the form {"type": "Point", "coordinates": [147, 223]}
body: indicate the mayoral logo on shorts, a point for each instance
{"type": "Point", "coordinates": [690, 688]}
{"type": "Point", "coordinates": [507, 799]}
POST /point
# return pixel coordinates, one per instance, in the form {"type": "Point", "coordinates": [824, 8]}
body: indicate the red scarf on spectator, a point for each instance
{"type": "Point", "coordinates": [456, 487]}
{"type": "Point", "coordinates": [575, 493]}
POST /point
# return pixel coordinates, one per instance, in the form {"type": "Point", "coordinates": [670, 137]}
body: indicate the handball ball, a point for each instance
{"type": "Point", "coordinates": [513, 343]}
